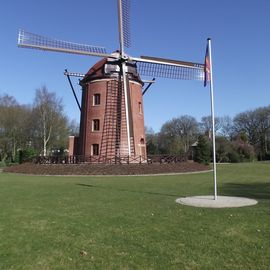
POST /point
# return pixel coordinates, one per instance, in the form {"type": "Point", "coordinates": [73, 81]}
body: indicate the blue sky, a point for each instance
{"type": "Point", "coordinates": [174, 29]}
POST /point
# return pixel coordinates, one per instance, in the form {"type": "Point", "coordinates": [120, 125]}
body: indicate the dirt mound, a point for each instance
{"type": "Point", "coordinates": [106, 169]}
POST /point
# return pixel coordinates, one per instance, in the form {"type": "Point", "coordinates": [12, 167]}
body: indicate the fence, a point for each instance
{"type": "Point", "coordinates": [105, 160]}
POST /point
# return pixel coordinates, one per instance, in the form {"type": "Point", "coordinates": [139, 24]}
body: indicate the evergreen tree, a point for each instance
{"type": "Point", "coordinates": [202, 154]}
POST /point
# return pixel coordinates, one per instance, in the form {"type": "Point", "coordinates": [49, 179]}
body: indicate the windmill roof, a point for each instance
{"type": "Point", "coordinates": [97, 71]}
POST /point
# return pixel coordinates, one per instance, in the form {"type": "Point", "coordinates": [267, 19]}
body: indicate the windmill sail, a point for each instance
{"type": "Point", "coordinates": [34, 41]}
{"type": "Point", "coordinates": [172, 69]}
{"type": "Point", "coordinates": [126, 5]}
{"type": "Point", "coordinates": [124, 24]}
{"type": "Point", "coordinates": [124, 41]}
{"type": "Point", "coordinates": [127, 92]}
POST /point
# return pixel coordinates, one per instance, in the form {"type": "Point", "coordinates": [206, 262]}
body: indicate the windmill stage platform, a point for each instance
{"type": "Point", "coordinates": [108, 169]}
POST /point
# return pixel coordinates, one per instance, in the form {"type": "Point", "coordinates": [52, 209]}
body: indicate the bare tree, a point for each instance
{"type": "Point", "coordinates": [206, 125]}
{"type": "Point", "coordinates": [263, 119]}
{"type": "Point", "coordinates": [256, 125]}
{"type": "Point", "coordinates": [183, 130]}
{"type": "Point", "coordinates": [151, 141]}
{"type": "Point", "coordinates": [14, 119]}
{"type": "Point", "coordinates": [74, 127]}
{"type": "Point", "coordinates": [49, 120]}
{"type": "Point", "coordinates": [226, 127]}
{"type": "Point", "coordinates": [246, 122]}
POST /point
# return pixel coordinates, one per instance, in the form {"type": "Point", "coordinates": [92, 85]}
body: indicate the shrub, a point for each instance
{"type": "Point", "coordinates": [234, 157]}
{"type": "Point", "coordinates": [2, 163]}
{"type": "Point", "coordinates": [25, 155]}
{"type": "Point", "coordinates": [202, 153]}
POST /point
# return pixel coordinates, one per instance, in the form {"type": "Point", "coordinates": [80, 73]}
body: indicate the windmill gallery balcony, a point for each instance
{"type": "Point", "coordinates": [78, 159]}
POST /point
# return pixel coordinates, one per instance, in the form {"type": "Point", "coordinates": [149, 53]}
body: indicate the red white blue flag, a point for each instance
{"type": "Point", "coordinates": [207, 68]}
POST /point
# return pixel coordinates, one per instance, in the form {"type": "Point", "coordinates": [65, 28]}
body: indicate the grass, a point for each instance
{"type": "Point", "coordinates": [134, 222]}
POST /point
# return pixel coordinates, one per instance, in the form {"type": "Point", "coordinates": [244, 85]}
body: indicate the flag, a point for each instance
{"type": "Point", "coordinates": [207, 68]}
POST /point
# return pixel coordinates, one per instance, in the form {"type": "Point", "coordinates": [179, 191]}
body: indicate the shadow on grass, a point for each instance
{"type": "Point", "coordinates": [254, 191]}
{"type": "Point", "coordinates": [126, 190]}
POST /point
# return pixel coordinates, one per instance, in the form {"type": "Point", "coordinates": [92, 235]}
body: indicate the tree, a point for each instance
{"type": "Point", "coordinates": [226, 127]}
{"type": "Point", "coordinates": [151, 141]}
{"type": "Point", "coordinates": [256, 125]}
{"type": "Point", "coordinates": [169, 144]}
{"type": "Point", "coordinates": [202, 154]}
{"type": "Point", "coordinates": [224, 148]}
{"type": "Point", "coordinates": [14, 132]}
{"type": "Point", "coordinates": [49, 122]}
{"type": "Point", "coordinates": [206, 125]}
{"type": "Point", "coordinates": [180, 133]}
{"type": "Point", "coordinates": [263, 119]}
{"type": "Point", "coordinates": [243, 148]}
{"type": "Point", "coordinates": [246, 122]}
{"type": "Point", "coordinates": [74, 127]}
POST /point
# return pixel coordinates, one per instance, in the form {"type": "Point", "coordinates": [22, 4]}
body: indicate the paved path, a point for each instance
{"type": "Point", "coordinates": [221, 202]}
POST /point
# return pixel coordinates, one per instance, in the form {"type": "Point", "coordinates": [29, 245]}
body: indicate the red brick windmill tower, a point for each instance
{"type": "Point", "coordinates": [112, 126]}
{"type": "Point", "coordinates": [112, 122]}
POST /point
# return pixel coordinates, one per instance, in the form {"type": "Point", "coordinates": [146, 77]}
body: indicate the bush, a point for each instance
{"type": "Point", "coordinates": [267, 156]}
{"type": "Point", "coordinates": [234, 157]}
{"type": "Point", "coordinates": [25, 155]}
{"type": "Point", "coordinates": [202, 153]}
{"type": "Point", "coordinates": [223, 148]}
{"type": "Point", "coordinates": [244, 149]}
{"type": "Point", "coordinates": [3, 163]}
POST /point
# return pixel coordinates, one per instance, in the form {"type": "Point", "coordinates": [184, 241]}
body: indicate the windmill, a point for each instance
{"type": "Point", "coordinates": [122, 132]}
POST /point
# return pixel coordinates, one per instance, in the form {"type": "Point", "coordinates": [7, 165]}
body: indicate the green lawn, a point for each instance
{"type": "Point", "coordinates": [134, 222]}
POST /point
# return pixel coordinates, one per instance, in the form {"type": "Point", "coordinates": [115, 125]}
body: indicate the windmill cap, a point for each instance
{"type": "Point", "coordinates": [109, 68]}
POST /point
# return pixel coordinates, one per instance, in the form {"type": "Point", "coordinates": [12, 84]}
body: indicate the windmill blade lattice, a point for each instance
{"type": "Point", "coordinates": [128, 129]}
{"type": "Point", "coordinates": [126, 7]}
{"type": "Point", "coordinates": [34, 41]}
{"type": "Point", "coordinates": [170, 71]}
{"type": "Point", "coordinates": [168, 68]}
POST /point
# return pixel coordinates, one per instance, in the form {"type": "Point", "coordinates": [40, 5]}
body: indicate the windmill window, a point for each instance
{"type": "Point", "coordinates": [95, 149]}
{"type": "Point", "coordinates": [140, 107]}
{"type": "Point", "coordinates": [95, 125]}
{"type": "Point", "coordinates": [96, 99]}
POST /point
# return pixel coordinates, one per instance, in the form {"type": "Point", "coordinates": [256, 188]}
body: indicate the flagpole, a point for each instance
{"type": "Point", "coordinates": [213, 120]}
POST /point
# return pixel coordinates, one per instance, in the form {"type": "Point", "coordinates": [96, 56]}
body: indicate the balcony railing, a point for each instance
{"type": "Point", "coordinates": [114, 160]}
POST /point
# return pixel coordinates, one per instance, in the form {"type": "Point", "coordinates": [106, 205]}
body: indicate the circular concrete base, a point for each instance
{"type": "Point", "coordinates": [220, 202]}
